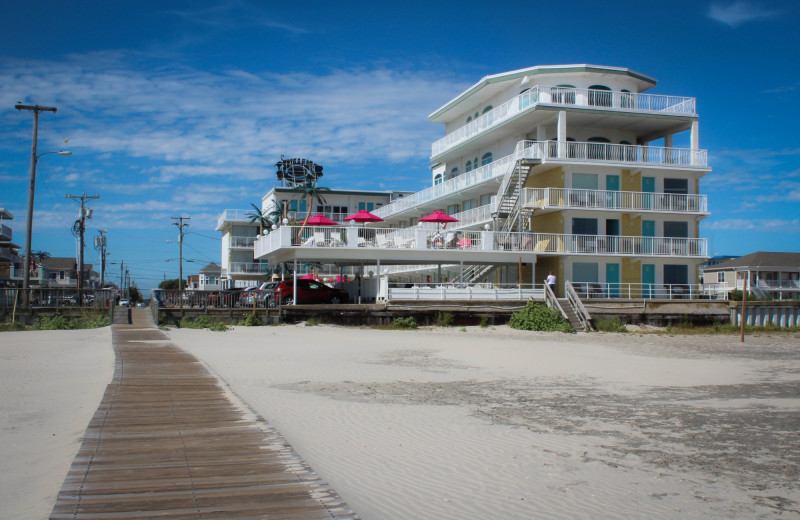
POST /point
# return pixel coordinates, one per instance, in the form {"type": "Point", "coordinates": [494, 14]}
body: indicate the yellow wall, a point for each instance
{"type": "Point", "coordinates": [548, 223]}
{"type": "Point", "coordinates": [544, 265]}
{"type": "Point", "coordinates": [553, 178]}
{"type": "Point", "coordinates": [631, 226]}
{"type": "Point", "coordinates": [631, 181]}
{"type": "Point", "coordinates": [631, 270]}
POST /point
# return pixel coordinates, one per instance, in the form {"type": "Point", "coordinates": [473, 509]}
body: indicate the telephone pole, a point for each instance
{"type": "Point", "coordinates": [78, 229]}
{"type": "Point", "coordinates": [100, 243]}
{"type": "Point", "coordinates": [180, 224]}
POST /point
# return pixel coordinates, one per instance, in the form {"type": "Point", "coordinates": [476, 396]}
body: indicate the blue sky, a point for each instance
{"type": "Point", "coordinates": [182, 108]}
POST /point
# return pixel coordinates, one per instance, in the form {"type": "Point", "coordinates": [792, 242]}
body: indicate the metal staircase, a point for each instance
{"type": "Point", "coordinates": [508, 197]}
{"type": "Point", "coordinates": [473, 273]}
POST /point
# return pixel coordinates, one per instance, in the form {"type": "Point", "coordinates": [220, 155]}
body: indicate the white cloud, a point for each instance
{"type": "Point", "coordinates": [735, 14]}
{"type": "Point", "coordinates": [764, 225]}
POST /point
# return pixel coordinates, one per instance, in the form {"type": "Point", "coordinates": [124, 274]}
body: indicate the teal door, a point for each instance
{"type": "Point", "coordinates": [612, 184]}
{"type": "Point", "coordinates": [648, 280]}
{"type": "Point", "coordinates": [612, 280]}
{"type": "Point", "coordinates": [648, 187]}
{"type": "Point", "coordinates": [648, 231]}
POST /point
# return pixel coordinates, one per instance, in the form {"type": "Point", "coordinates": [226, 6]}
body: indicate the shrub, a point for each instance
{"type": "Point", "coordinates": [251, 321]}
{"type": "Point", "coordinates": [536, 316]}
{"type": "Point", "coordinates": [55, 322]}
{"type": "Point", "coordinates": [604, 324]}
{"type": "Point", "coordinates": [444, 319]}
{"type": "Point", "coordinates": [202, 322]}
{"type": "Point", "coordinates": [405, 323]}
{"type": "Point", "coordinates": [484, 322]}
{"type": "Point", "coordinates": [313, 321]}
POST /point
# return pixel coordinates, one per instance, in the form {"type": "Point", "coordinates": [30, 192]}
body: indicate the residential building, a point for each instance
{"type": "Point", "coordinates": [763, 274]}
{"type": "Point", "coordinates": [209, 278]}
{"type": "Point", "coordinates": [574, 169]}
{"type": "Point", "coordinates": [62, 272]}
{"type": "Point", "coordinates": [10, 259]}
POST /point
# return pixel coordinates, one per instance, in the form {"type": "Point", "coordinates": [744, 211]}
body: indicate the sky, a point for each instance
{"type": "Point", "coordinates": [182, 108]}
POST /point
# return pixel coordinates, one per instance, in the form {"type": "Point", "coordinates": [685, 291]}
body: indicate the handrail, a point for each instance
{"type": "Point", "coordinates": [614, 200]}
{"type": "Point", "coordinates": [577, 305]}
{"type": "Point", "coordinates": [551, 301]}
{"type": "Point", "coordinates": [597, 99]}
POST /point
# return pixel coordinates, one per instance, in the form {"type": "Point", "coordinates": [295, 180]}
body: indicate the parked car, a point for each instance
{"type": "Point", "coordinates": [308, 291]}
{"type": "Point", "coordinates": [261, 293]}
{"type": "Point", "coordinates": [226, 298]}
{"type": "Point", "coordinates": [124, 302]}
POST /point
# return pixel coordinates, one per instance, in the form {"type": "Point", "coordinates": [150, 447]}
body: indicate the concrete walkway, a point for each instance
{"type": "Point", "coordinates": [167, 441]}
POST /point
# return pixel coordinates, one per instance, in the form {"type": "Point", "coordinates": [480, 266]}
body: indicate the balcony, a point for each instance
{"type": "Point", "coordinates": [239, 216]}
{"type": "Point", "coordinates": [567, 198]}
{"type": "Point", "coordinates": [567, 97]}
{"type": "Point", "coordinates": [247, 268]}
{"type": "Point", "coordinates": [360, 244]}
{"type": "Point", "coordinates": [5, 233]}
{"type": "Point", "coordinates": [623, 155]}
{"type": "Point", "coordinates": [237, 242]}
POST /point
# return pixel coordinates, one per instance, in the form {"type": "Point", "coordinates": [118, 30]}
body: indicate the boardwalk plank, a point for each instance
{"type": "Point", "coordinates": [167, 442]}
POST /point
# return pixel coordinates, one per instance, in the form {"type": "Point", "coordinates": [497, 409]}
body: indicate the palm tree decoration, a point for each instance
{"type": "Point", "coordinates": [265, 219]}
{"type": "Point", "coordinates": [309, 190]}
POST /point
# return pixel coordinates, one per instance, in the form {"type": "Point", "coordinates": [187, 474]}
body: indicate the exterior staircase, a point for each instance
{"type": "Point", "coordinates": [571, 315]}
{"type": "Point", "coordinates": [508, 197]}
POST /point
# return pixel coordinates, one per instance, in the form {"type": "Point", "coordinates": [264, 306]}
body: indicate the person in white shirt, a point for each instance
{"type": "Point", "coordinates": [551, 281]}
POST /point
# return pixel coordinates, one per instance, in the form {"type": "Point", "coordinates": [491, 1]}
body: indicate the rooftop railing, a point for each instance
{"type": "Point", "coordinates": [234, 215]}
{"type": "Point", "coordinates": [563, 96]}
{"type": "Point", "coordinates": [544, 198]}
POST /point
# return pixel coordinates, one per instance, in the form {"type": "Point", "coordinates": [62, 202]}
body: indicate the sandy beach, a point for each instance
{"type": "Point", "coordinates": [461, 423]}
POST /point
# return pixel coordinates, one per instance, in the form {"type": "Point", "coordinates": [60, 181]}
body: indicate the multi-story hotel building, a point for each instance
{"type": "Point", "coordinates": [573, 169]}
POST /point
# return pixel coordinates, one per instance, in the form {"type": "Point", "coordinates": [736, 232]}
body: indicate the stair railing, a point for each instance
{"type": "Point", "coordinates": [577, 306]}
{"type": "Point", "coordinates": [552, 302]}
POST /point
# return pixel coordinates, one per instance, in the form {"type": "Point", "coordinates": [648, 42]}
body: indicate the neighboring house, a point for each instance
{"type": "Point", "coordinates": [570, 168]}
{"type": "Point", "coordinates": [774, 275]}
{"type": "Point", "coordinates": [209, 278]}
{"type": "Point", "coordinates": [192, 282]}
{"type": "Point", "coordinates": [10, 259]}
{"type": "Point", "coordinates": [60, 272]}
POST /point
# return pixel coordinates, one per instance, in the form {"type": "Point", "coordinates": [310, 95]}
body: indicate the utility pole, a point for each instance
{"type": "Point", "coordinates": [29, 230]}
{"type": "Point", "coordinates": [78, 229]}
{"type": "Point", "coordinates": [100, 243]}
{"type": "Point", "coordinates": [180, 224]}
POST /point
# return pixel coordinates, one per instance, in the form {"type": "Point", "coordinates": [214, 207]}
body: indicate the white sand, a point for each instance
{"type": "Point", "coordinates": [445, 424]}
{"type": "Point", "coordinates": [51, 383]}
{"type": "Point", "coordinates": [497, 423]}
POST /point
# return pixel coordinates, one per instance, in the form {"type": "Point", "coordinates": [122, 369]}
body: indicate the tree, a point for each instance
{"type": "Point", "coordinates": [169, 285]}
{"type": "Point", "coordinates": [135, 295]}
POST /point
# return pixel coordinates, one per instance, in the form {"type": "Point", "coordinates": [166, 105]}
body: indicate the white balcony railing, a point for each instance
{"type": "Point", "coordinates": [596, 99]}
{"type": "Point", "coordinates": [335, 237]}
{"type": "Point", "coordinates": [250, 268]}
{"type": "Point", "coordinates": [237, 242]}
{"type": "Point", "coordinates": [5, 232]}
{"type": "Point", "coordinates": [234, 215]}
{"type": "Point", "coordinates": [613, 200]}
{"type": "Point", "coordinates": [571, 151]}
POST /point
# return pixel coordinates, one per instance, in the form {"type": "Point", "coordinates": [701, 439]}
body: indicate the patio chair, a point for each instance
{"type": "Point", "coordinates": [319, 238]}
{"type": "Point", "coordinates": [541, 245]}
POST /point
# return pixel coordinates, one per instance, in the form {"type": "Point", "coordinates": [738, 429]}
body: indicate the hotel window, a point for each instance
{"type": "Point", "coordinates": [452, 209]}
{"type": "Point", "coordinates": [584, 226]}
{"type": "Point", "coordinates": [469, 166]}
{"type": "Point", "coordinates": [438, 179]}
{"type": "Point", "coordinates": [524, 99]}
{"type": "Point", "coordinates": [485, 199]}
{"type": "Point", "coordinates": [599, 96]}
{"type": "Point", "coordinates": [475, 163]}
{"type": "Point", "coordinates": [486, 158]}
{"type": "Point", "coordinates": [369, 206]}
{"type": "Point", "coordinates": [488, 107]}
{"type": "Point", "coordinates": [468, 205]}
{"type": "Point", "coordinates": [626, 99]}
{"type": "Point", "coordinates": [469, 118]}
{"type": "Point", "coordinates": [454, 173]}
{"type": "Point", "coordinates": [563, 94]}
{"type": "Point", "coordinates": [678, 186]}
{"type": "Point", "coordinates": [476, 116]}
{"type": "Point", "coordinates": [599, 151]}
{"type": "Point", "coordinates": [676, 229]}
{"type": "Point", "coordinates": [676, 274]}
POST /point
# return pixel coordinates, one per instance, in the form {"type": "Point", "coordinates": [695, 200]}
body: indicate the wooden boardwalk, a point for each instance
{"type": "Point", "coordinates": [168, 442]}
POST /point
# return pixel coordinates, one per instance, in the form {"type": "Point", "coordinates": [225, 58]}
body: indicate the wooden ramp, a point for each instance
{"type": "Point", "coordinates": [168, 442]}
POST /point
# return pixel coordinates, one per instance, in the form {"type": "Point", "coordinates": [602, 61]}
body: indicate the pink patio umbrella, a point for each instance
{"type": "Point", "coordinates": [363, 216]}
{"type": "Point", "coordinates": [438, 216]}
{"type": "Point", "coordinates": [321, 220]}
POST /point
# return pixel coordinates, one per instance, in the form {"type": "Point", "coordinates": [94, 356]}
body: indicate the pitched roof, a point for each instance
{"type": "Point", "coordinates": [762, 260]}
{"type": "Point", "coordinates": [62, 263]}
{"type": "Point", "coordinates": [211, 268]}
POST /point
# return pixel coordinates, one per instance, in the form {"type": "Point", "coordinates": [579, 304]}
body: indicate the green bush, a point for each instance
{"type": "Point", "coordinates": [444, 319]}
{"type": "Point", "coordinates": [405, 323]}
{"type": "Point", "coordinates": [55, 322]}
{"type": "Point", "coordinates": [484, 322]}
{"type": "Point", "coordinates": [202, 322]}
{"type": "Point", "coordinates": [251, 321]}
{"type": "Point", "coordinates": [604, 324]}
{"type": "Point", "coordinates": [536, 316]}
{"type": "Point", "coordinates": [313, 321]}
